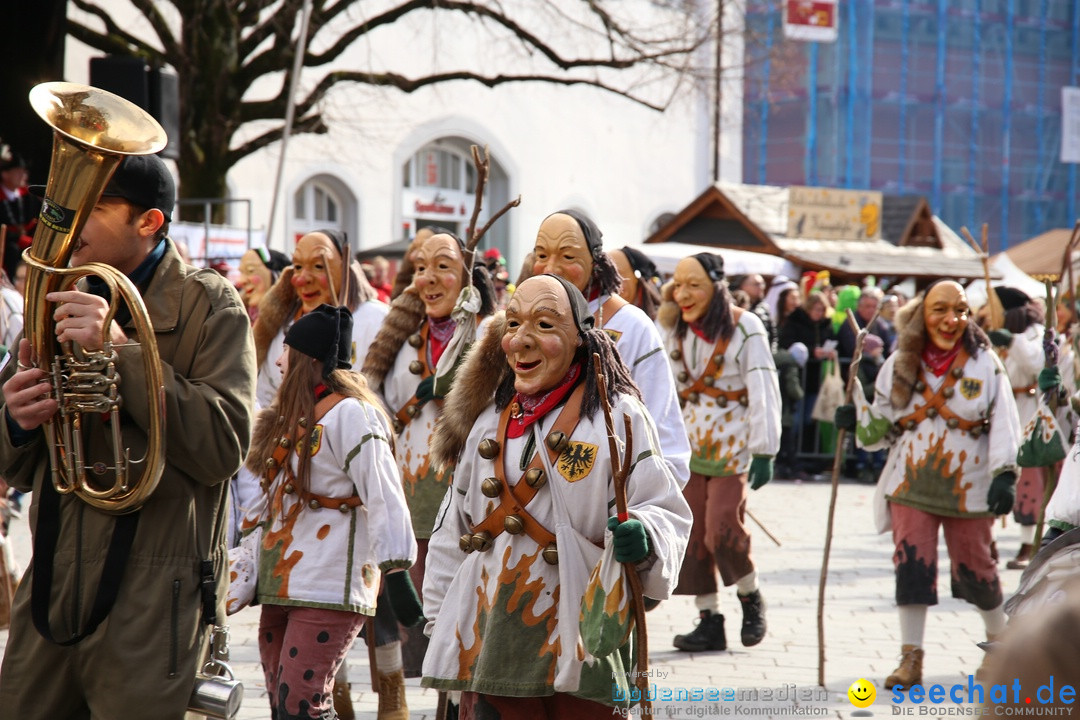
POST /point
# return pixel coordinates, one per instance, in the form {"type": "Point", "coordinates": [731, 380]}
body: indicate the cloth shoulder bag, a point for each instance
{"type": "Point", "coordinates": [831, 395]}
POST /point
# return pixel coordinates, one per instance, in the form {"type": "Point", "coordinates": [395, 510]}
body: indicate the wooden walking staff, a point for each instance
{"type": "Point", "coordinates": [620, 467]}
{"type": "Point", "coordinates": [997, 310]}
{"type": "Point", "coordinates": [475, 234]}
{"type": "Point", "coordinates": [838, 458]}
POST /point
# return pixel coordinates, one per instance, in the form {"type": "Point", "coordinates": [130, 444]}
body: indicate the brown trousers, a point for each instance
{"type": "Point", "coordinates": [719, 539]}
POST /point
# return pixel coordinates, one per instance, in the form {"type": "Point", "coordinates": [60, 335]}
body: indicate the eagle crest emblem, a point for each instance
{"type": "Point", "coordinates": [577, 460]}
{"type": "Point", "coordinates": [970, 387]}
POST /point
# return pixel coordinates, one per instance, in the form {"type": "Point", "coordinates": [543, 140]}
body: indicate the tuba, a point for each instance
{"type": "Point", "coordinates": [92, 132]}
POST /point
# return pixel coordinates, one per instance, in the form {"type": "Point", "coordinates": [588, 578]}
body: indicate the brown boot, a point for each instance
{"type": "Point", "coordinates": [343, 702]}
{"type": "Point", "coordinates": [392, 704]}
{"type": "Point", "coordinates": [1027, 551]}
{"type": "Point", "coordinates": [910, 670]}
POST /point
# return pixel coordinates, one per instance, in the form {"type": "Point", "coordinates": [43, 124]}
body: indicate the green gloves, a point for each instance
{"type": "Point", "coordinates": [403, 598]}
{"type": "Point", "coordinates": [844, 417]}
{"type": "Point", "coordinates": [1002, 493]}
{"type": "Point", "coordinates": [1050, 379]}
{"type": "Point", "coordinates": [630, 539]}
{"type": "Point", "coordinates": [761, 471]}
{"type": "Point", "coordinates": [1000, 338]}
{"type": "Point", "coordinates": [425, 391]}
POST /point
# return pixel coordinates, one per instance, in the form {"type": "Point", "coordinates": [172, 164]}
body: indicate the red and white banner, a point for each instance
{"type": "Point", "coordinates": [811, 20]}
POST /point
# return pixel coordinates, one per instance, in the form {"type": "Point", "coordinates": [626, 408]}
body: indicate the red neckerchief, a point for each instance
{"type": "Point", "coordinates": [533, 407]}
{"type": "Point", "coordinates": [321, 391]}
{"type": "Point", "coordinates": [594, 292]}
{"type": "Point", "coordinates": [440, 330]}
{"type": "Point", "coordinates": [937, 360]}
{"type": "Point", "coordinates": [700, 332]}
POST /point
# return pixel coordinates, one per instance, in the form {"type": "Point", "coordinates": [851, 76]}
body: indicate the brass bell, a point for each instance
{"type": "Point", "coordinates": [289, 488]}
{"type": "Point", "coordinates": [683, 376]}
{"type": "Point", "coordinates": [491, 487]}
{"type": "Point", "coordinates": [271, 463]}
{"type": "Point", "coordinates": [709, 380]}
{"type": "Point", "coordinates": [398, 426]}
{"type": "Point", "coordinates": [284, 442]}
{"type": "Point", "coordinates": [910, 424]}
{"type": "Point", "coordinates": [344, 507]}
{"type": "Point", "coordinates": [920, 386]}
{"type": "Point", "coordinates": [513, 524]}
{"type": "Point", "coordinates": [693, 397]}
{"type": "Point", "coordinates": [535, 478]}
{"type": "Point", "coordinates": [551, 554]}
{"type": "Point", "coordinates": [931, 412]}
{"type": "Point", "coordinates": [481, 541]}
{"type": "Point", "coordinates": [718, 360]}
{"type": "Point", "coordinates": [302, 422]}
{"type": "Point", "coordinates": [948, 392]}
{"type": "Point", "coordinates": [314, 504]}
{"type": "Point", "coordinates": [416, 367]}
{"type": "Point", "coordinates": [744, 400]}
{"type": "Point", "coordinates": [977, 431]}
{"type": "Point", "coordinates": [953, 423]}
{"type": "Point", "coordinates": [557, 441]}
{"type": "Point", "coordinates": [488, 448]}
{"type": "Point", "coordinates": [676, 354]}
{"type": "Point", "coordinates": [721, 400]}
{"type": "Point", "coordinates": [412, 411]}
{"type": "Point", "coordinates": [465, 543]}
{"type": "Point", "coordinates": [958, 372]}
{"type": "Point", "coordinates": [415, 340]}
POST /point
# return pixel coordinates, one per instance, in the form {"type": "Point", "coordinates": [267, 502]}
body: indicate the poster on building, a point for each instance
{"type": "Point", "coordinates": [829, 214]}
{"type": "Point", "coordinates": [810, 20]}
{"type": "Point", "coordinates": [1070, 124]}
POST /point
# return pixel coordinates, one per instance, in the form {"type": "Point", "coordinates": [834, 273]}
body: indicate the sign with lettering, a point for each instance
{"type": "Point", "coordinates": [436, 203]}
{"type": "Point", "coordinates": [830, 214]}
{"type": "Point", "coordinates": [810, 20]}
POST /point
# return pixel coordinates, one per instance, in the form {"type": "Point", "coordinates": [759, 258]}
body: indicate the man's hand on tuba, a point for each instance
{"type": "Point", "coordinates": [80, 317]}
{"type": "Point", "coordinates": [28, 393]}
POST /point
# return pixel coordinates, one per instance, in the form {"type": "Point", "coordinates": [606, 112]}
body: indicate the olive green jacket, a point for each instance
{"type": "Point", "coordinates": [153, 638]}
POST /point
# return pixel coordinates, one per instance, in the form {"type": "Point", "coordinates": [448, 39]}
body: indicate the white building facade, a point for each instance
{"type": "Point", "coordinates": [393, 162]}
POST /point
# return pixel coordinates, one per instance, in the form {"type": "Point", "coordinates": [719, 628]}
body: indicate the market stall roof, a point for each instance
{"type": "Point", "coordinates": [1043, 254]}
{"type": "Point", "coordinates": [911, 242]}
{"type": "Point", "coordinates": [736, 262]}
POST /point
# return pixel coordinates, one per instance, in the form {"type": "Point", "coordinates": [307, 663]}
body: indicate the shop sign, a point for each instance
{"type": "Point", "coordinates": [830, 214]}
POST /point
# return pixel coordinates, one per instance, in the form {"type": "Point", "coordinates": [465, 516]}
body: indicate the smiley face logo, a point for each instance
{"type": "Point", "coordinates": [862, 693]}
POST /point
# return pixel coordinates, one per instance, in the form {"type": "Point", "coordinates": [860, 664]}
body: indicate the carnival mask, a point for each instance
{"type": "Point", "coordinates": [561, 249]}
{"type": "Point", "coordinates": [255, 279]}
{"type": "Point", "coordinates": [439, 267]}
{"type": "Point", "coordinates": [628, 291]}
{"type": "Point", "coordinates": [693, 289]}
{"type": "Point", "coordinates": [945, 314]}
{"type": "Point", "coordinates": [541, 337]}
{"type": "Point", "coordinates": [317, 276]}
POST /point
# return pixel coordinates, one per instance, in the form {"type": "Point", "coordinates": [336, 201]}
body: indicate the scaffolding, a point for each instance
{"type": "Point", "coordinates": [956, 100]}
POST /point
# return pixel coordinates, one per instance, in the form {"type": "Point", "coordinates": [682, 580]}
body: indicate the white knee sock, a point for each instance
{"type": "Point", "coordinates": [747, 583]}
{"type": "Point", "coordinates": [994, 619]}
{"type": "Point", "coordinates": [912, 624]}
{"type": "Point", "coordinates": [388, 658]}
{"type": "Point", "coordinates": [1027, 534]}
{"type": "Point", "coordinates": [710, 602]}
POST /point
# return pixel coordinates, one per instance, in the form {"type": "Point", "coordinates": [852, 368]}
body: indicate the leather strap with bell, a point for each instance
{"type": "Point", "coordinates": [936, 403]}
{"type": "Point", "coordinates": [712, 370]}
{"type": "Point", "coordinates": [411, 409]}
{"type": "Point", "coordinates": [281, 451]}
{"type": "Point", "coordinates": [511, 515]}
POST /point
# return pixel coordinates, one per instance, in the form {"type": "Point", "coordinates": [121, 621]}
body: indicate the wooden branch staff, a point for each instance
{"type": "Point", "coordinates": [620, 467]}
{"type": "Point", "coordinates": [483, 166]}
{"type": "Point", "coordinates": [997, 311]}
{"type": "Point", "coordinates": [838, 457]}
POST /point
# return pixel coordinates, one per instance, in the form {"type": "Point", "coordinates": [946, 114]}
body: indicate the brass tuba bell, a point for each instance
{"type": "Point", "coordinates": [93, 131]}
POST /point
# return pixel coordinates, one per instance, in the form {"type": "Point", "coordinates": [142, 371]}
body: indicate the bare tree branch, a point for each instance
{"type": "Point", "coordinates": [312, 124]}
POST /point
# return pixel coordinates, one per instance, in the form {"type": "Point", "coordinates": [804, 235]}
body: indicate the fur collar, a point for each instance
{"type": "Point", "coordinates": [473, 390]}
{"type": "Point", "coordinates": [911, 339]}
{"type": "Point", "coordinates": [279, 303]}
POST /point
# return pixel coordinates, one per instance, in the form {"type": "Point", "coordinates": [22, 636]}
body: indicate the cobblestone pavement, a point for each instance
{"type": "Point", "coordinates": [861, 627]}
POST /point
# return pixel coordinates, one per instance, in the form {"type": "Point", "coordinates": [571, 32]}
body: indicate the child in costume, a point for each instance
{"type": "Point", "coordinates": [529, 511]}
{"type": "Point", "coordinates": [333, 515]}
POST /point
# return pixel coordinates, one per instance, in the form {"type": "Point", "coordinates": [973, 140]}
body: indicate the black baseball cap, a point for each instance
{"type": "Point", "coordinates": [144, 180]}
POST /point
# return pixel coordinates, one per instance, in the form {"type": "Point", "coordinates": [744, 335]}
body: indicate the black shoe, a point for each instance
{"type": "Point", "coordinates": [753, 618]}
{"type": "Point", "coordinates": [708, 635]}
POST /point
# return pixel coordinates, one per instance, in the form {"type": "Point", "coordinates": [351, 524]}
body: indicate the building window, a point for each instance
{"type": "Point", "coordinates": [438, 167]}
{"type": "Point", "coordinates": [314, 201]}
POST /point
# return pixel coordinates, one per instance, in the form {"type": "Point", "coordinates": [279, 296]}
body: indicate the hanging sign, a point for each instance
{"type": "Point", "coordinates": [1070, 124]}
{"type": "Point", "coordinates": [829, 214]}
{"type": "Point", "coordinates": [810, 20]}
